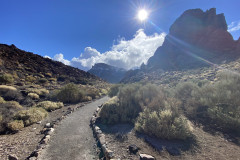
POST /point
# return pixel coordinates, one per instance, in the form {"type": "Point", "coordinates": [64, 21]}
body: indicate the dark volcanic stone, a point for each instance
{"type": "Point", "coordinates": [133, 149]}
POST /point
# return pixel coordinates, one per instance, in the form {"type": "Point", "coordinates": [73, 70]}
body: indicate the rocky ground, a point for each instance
{"type": "Point", "coordinates": [23, 143]}
{"type": "Point", "coordinates": [206, 146]}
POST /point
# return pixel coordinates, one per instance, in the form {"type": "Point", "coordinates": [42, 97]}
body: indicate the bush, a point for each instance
{"type": "Point", "coordinates": [31, 115]}
{"type": "Point", "coordinates": [4, 89]}
{"type": "Point", "coordinates": [93, 92]}
{"type": "Point", "coordinates": [41, 92]}
{"type": "Point", "coordinates": [217, 102]}
{"type": "Point", "coordinates": [6, 78]}
{"type": "Point", "coordinates": [110, 111]}
{"type": "Point", "coordinates": [15, 125]}
{"type": "Point", "coordinates": [163, 124]}
{"type": "Point", "coordinates": [132, 99]}
{"type": "Point", "coordinates": [114, 90]}
{"type": "Point", "coordinates": [7, 112]}
{"type": "Point", "coordinates": [69, 94]}
{"type": "Point", "coordinates": [103, 92]}
{"type": "Point", "coordinates": [33, 95]}
{"type": "Point", "coordinates": [50, 106]}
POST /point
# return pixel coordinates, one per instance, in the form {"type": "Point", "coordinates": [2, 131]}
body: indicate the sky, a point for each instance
{"type": "Point", "coordinates": [81, 33]}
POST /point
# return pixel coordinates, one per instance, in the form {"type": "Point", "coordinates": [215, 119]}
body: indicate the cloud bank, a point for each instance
{"type": "Point", "coordinates": [125, 54]}
{"type": "Point", "coordinates": [234, 26]}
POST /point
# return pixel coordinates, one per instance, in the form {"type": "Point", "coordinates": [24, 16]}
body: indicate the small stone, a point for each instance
{"type": "Point", "coordinates": [12, 157]}
{"type": "Point", "coordinates": [39, 122]}
{"type": "Point", "coordinates": [50, 131]}
{"type": "Point", "coordinates": [133, 148]}
{"type": "Point", "coordinates": [146, 157]}
{"type": "Point", "coordinates": [48, 125]}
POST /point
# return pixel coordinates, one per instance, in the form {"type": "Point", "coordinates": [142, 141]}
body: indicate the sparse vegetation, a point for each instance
{"type": "Point", "coordinates": [114, 90]}
{"type": "Point", "coordinates": [33, 95]}
{"type": "Point", "coordinates": [15, 125]}
{"type": "Point", "coordinates": [50, 106]}
{"type": "Point", "coordinates": [31, 115]}
{"type": "Point", "coordinates": [6, 78]}
{"type": "Point", "coordinates": [69, 94]}
{"type": "Point", "coordinates": [151, 108]}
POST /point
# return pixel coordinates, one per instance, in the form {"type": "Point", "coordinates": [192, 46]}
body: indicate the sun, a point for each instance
{"type": "Point", "coordinates": [142, 15]}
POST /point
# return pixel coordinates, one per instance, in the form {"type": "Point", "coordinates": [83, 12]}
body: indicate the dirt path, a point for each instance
{"type": "Point", "coordinates": [73, 138]}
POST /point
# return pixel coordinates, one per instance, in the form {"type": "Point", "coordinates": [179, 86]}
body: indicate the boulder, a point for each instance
{"type": "Point", "coordinates": [133, 149]}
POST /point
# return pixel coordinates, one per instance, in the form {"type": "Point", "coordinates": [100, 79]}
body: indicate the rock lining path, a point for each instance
{"type": "Point", "coordinates": [73, 138]}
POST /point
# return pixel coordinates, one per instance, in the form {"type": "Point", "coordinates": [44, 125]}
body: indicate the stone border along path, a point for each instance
{"type": "Point", "coordinates": [109, 154]}
{"type": "Point", "coordinates": [72, 138]}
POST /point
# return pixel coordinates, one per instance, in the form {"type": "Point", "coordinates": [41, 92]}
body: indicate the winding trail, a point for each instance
{"type": "Point", "coordinates": [73, 138]}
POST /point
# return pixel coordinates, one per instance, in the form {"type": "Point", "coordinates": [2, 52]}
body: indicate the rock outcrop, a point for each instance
{"type": "Point", "coordinates": [196, 39]}
{"type": "Point", "coordinates": [109, 73]}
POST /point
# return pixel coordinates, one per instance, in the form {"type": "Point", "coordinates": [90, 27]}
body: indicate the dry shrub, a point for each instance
{"type": "Point", "coordinates": [15, 125]}
{"type": "Point", "coordinates": [103, 91]}
{"type": "Point", "coordinates": [41, 92]}
{"type": "Point", "coordinates": [50, 106]}
{"type": "Point", "coordinates": [6, 78]}
{"type": "Point", "coordinates": [7, 112]}
{"type": "Point", "coordinates": [33, 95]}
{"type": "Point", "coordinates": [217, 101]}
{"type": "Point", "coordinates": [4, 89]}
{"type": "Point", "coordinates": [31, 115]}
{"type": "Point", "coordinates": [92, 92]}
{"type": "Point", "coordinates": [69, 94]}
{"type": "Point", "coordinates": [110, 111]}
{"type": "Point", "coordinates": [114, 90]}
{"type": "Point", "coordinates": [163, 124]}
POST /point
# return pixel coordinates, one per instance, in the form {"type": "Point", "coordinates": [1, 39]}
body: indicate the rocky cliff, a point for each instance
{"type": "Point", "coordinates": [109, 73]}
{"type": "Point", "coordinates": [196, 39]}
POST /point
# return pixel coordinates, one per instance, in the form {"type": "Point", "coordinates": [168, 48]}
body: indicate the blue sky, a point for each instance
{"type": "Point", "coordinates": [72, 30]}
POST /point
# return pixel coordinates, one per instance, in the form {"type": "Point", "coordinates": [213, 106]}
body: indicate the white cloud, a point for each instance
{"type": "Point", "coordinates": [59, 57]}
{"type": "Point", "coordinates": [125, 54]}
{"type": "Point", "coordinates": [234, 26]}
{"type": "Point", "coordinates": [47, 57]}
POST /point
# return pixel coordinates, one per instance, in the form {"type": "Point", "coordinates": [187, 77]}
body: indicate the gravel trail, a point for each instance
{"type": "Point", "coordinates": [73, 138]}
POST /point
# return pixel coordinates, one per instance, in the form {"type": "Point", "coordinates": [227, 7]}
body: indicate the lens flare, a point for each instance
{"type": "Point", "coordinates": [142, 14]}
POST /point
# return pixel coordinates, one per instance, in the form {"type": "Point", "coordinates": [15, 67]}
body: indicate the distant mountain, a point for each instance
{"type": "Point", "coordinates": [196, 39]}
{"type": "Point", "coordinates": [26, 66]}
{"type": "Point", "coordinates": [109, 73]}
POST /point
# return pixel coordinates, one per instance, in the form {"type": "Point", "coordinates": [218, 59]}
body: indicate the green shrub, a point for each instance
{"type": "Point", "coordinates": [218, 102]}
{"type": "Point", "coordinates": [50, 106]}
{"type": "Point", "coordinates": [31, 115]}
{"type": "Point", "coordinates": [6, 78]}
{"type": "Point", "coordinates": [114, 90]}
{"type": "Point", "coordinates": [4, 89]}
{"type": "Point", "coordinates": [163, 124]}
{"type": "Point", "coordinates": [110, 112]}
{"type": "Point", "coordinates": [103, 91]}
{"type": "Point", "coordinates": [69, 94]}
{"type": "Point", "coordinates": [15, 125]}
{"type": "Point", "coordinates": [131, 100]}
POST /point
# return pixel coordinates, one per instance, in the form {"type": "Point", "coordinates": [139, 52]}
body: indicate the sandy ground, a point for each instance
{"type": "Point", "coordinates": [205, 147]}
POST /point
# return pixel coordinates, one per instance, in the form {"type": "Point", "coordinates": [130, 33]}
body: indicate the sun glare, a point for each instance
{"type": "Point", "coordinates": [142, 15]}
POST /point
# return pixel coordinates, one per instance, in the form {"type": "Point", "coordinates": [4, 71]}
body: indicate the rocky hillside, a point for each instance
{"type": "Point", "coordinates": [109, 73]}
{"type": "Point", "coordinates": [194, 36]}
{"type": "Point", "coordinates": [26, 66]}
{"type": "Point", "coordinates": [196, 39]}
